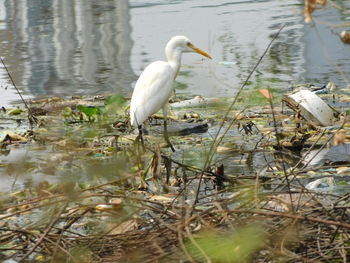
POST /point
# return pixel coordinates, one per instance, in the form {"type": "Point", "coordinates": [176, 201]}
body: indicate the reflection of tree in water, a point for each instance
{"type": "Point", "coordinates": [69, 46]}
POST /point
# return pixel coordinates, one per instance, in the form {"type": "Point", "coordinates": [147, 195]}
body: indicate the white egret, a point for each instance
{"type": "Point", "coordinates": [155, 84]}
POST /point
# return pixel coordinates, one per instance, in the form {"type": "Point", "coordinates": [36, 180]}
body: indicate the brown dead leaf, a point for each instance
{"type": "Point", "coordinates": [266, 93]}
{"type": "Point", "coordinates": [12, 137]}
{"type": "Point", "coordinates": [156, 164]}
{"type": "Point", "coordinates": [124, 227]}
{"type": "Point", "coordinates": [310, 6]}
{"type": "Point", "coordinates": [339, 137]}
{"type": "Point", "coordinates": [224, 149]}
{"type": "Point", "coordinates": [239, 116]}
{"type": "Point", "coordinates": [162, 198]}
{"type": "Point", "coordinates": [116, 201]}
{"type": "Point", "coordinates": [16, 137]}
{"type": "Point", "coordinates": [114, 205]}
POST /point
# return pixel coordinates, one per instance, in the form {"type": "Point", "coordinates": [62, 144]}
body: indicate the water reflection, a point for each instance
{"type": "Point", "coordinates": [68, 47]}
{"type": "Point", "coordinates": [234, 31]}
{"type": "Point", "coordinates": [100, 46]}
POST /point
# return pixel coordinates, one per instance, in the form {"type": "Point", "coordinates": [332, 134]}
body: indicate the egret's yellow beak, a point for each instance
{"type": "Point", "coordinates": [198, 50]}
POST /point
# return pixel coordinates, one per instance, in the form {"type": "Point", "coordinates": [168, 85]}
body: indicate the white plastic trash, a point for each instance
{"type": "Point", "coordinates": [312, 107]}
{"type": "Point", "coordinates": [325, 183]}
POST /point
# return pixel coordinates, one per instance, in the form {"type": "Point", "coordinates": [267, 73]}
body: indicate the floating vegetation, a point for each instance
{"type": "Point", "coordinates": [83, 191]}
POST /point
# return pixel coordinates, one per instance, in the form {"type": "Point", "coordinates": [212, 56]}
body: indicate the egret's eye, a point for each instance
{"type": "Point", "coordinates": [188, 44]}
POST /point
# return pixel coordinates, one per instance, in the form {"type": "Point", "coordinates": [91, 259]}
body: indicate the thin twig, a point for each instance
{"type": "Point", "coordinates": [31, 117]}
{"type": "Point", "coordinates": [46, 232]}
{"type": "Point", "coordinates": [214, 144]}
{"type": "Point", "coordinates": [293, 216]}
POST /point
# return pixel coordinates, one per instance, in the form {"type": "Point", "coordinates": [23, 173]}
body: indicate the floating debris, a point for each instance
{"type": "Point", "coordinates": [326, 183]}
{"type": "Point", "coordinates": [227, 63]}
{"type": "Point", "coordinates": [311, 107]}
{"type": "Point", "coordinates": [345, 37]}
{"type": "Point", "coordinates": [195, 102]}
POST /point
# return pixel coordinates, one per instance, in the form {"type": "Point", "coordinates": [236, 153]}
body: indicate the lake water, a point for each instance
{"type": "Point", "coordinates": [66, 47]}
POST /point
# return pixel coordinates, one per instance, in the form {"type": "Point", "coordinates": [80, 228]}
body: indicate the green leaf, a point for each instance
{"type": "Point", "coordinates": [115, 104]}
{"type": "Point", "coordinates": [115, 99]}
{"type": "Point", "coordinates": [342, 183]}
{"type": "Point", "coordinates": [89, 111]}
{"type": "Point", "coordinates": [229, 247]}
{"type": "Point", "coordinates": [67, 112]}
{"type": "Point", "coordinates": [15, 111]}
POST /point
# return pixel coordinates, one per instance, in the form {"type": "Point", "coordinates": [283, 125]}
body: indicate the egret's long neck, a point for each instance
{"type": "Point", "coordinates": [174, 58]}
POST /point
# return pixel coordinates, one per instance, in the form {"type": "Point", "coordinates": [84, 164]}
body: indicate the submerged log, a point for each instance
{"type": "Point", "coordinates": [179, 128]}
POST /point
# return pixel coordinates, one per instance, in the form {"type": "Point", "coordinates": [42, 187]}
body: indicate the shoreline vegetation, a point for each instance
{"type": "Point", "coordinates": [258, 198]}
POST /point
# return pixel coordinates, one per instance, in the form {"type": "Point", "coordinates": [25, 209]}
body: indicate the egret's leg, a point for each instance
{"type": "Point", "coordinates": [139, 138]}
{"type": "Point", "coordinates": [166, 135]}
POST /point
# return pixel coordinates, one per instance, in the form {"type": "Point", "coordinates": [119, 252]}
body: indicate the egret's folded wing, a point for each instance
{"type": "Point", "coordinates": [152, 91]}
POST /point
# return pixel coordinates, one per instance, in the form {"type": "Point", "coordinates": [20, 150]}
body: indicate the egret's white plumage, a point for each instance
{"type": "Point", "coordinates": [154, 86]}
{"type": "Point", "coordinates": [151, 92]}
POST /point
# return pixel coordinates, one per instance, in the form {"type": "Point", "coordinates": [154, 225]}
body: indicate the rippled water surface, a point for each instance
{"type": "Point", "coordinates": [65, 47]}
